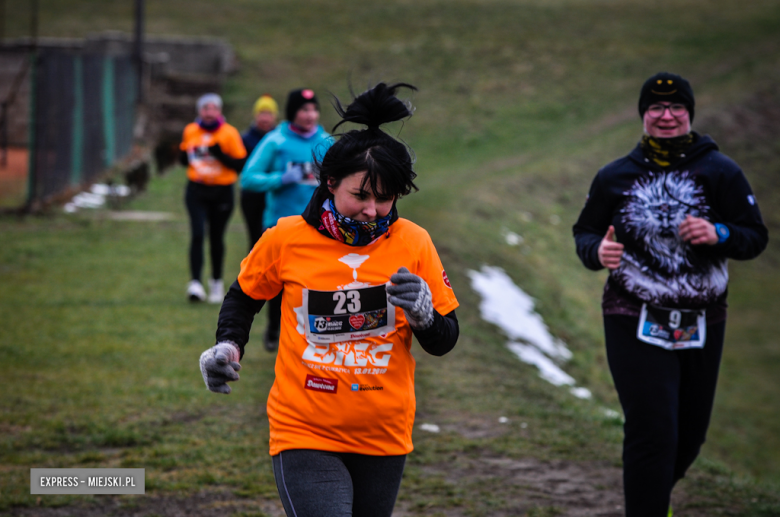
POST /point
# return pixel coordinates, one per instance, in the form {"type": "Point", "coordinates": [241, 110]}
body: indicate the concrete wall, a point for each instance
{"type": "Point", "coordinates": [177, 70]}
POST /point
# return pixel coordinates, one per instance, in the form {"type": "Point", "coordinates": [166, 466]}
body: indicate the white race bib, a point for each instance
{"type": "Point", "coordinates": [347, 315]}
{"type": "Point", "coordinates": [672, 329]}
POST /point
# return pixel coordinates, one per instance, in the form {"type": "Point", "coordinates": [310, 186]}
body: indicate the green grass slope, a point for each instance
{"type": "Point", "coordinates": [519, 104]}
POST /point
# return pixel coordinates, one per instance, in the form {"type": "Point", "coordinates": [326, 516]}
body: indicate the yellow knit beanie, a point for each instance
{"type": "Point", "coordinates": [266, 103]}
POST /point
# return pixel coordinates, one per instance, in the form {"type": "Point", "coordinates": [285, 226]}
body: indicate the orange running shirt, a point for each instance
{"type": "Point", "coordinates": [204, 168]}
{"type": "Point", "coordinates": [344, 369]}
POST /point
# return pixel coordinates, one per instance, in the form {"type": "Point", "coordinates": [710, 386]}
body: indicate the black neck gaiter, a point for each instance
{"type": "Point", "coordinates": [665, 151]}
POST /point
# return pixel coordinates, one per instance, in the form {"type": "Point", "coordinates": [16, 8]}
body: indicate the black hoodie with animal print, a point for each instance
{"type": "Point", "coordinates": [646, 204]}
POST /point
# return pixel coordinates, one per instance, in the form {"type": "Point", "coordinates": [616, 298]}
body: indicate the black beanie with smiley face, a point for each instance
{"type": "Point", "coordinates": [666, 87]}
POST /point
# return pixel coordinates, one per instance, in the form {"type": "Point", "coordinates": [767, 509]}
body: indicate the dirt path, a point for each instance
{"type": "Point", "coordinates": [564, 488]}
{"type": "Point", "coordinates": [571, 488]}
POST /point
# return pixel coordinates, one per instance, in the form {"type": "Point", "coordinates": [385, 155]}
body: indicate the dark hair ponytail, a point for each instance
{"type": "Point", "coordinates": [388, 162]}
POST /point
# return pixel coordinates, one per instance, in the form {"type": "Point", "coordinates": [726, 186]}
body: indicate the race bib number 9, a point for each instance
{"type": "Point", "coordinates": [672, 329]}
{"type": "Point", "coordinates": [347, 315]}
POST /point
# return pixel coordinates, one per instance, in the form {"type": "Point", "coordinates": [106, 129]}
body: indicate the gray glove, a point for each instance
{"type": "Point", "coordinates": [219, 364]}
{"type": "Point", "coordinates": [413, 295]}
{"type": "Point", "coordinates": [292, 175]}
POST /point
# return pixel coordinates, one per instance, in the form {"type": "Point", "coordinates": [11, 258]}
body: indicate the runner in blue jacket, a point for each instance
{"type": "Point", "coordinates": [283, 166]}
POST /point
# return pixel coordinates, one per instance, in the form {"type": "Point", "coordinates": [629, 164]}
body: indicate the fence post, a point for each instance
{"type": "Point", "coordinates": [109, 115]}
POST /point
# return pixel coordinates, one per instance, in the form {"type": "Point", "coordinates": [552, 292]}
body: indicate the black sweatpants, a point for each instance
{"type": "Point", "coordinates": [667, 398]}
{"type": "Point", "coordinates": [315, 483]}
{"type": "Point", "coordinates": [212, 204]}
{"type": "Point", "coordinates": [253, 207]}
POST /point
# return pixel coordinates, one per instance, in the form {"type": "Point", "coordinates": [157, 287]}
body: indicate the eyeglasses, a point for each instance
{"type": "Point", "coordinates": [657, 110]}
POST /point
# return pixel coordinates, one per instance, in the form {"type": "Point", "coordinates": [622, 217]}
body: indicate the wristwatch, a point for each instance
{"type": "Point", "coordinates": [723, 232]}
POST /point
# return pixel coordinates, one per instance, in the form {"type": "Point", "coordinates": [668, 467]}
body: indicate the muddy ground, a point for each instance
{"type": "Point", "coordinates": [564, 488]}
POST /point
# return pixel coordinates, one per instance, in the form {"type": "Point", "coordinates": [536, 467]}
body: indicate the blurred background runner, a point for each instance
{"type": "Point", "coordinates": [265, 114]}
{"type": "Point", "coordinates": [282, 165]}
{"type": "Point", "coordinates": [214, 155]}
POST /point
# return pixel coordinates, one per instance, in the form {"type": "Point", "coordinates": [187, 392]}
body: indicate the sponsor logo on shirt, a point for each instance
{"type": "Point", "coordinates": [446, 279]}
{"type": "Point", "coordinates": [321, 384]}
{"type": "Point", "coordinates": [366, 387]}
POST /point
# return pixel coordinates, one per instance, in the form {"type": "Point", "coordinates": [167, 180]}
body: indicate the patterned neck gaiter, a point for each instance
{"type": "Point", "coordinates": [210, 126]}
{"type": "Point", "coordinates": [295, 128]}
{"type": "Point", "coordinates": [353, 233]}
{"type": "Point", "coordinates": [665, 151]}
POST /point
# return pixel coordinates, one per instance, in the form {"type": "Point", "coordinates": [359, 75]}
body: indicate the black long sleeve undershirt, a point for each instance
{"type": "Point", "coordinates": [236, 316]}
{"type": "Point", "coordinates": [439, 338]}
{"type": "Point", "coordinates": [237, 164]}
{"type": "Point", "coordinates": [239, 309]}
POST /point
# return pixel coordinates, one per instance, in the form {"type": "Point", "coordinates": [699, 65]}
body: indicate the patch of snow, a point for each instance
{"type": "Point", "coordinates": [548, 370]}
{"type": "Point", "coordinates": [503, 420]}
{"type": "Point", "coordinates": [88, 200]}
{"type": "Point", "coordinates": [507, 306]}
{"type": "Point", "coordinates": [581, 393]}
{"type": "Point", "coordinates": [523, 425]}
{"type": "Point", "coordinates": [102, 189]}
{"type": "Point", "coordinates": [510, 308]}
{"type": "Point", "coordinates": [96, 197]}
{"type": "Point", "coordinates": [512, 238]}
{"type": "Point", "coordinates": [431, 428]}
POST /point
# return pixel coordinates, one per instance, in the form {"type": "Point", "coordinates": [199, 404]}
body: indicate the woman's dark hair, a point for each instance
{"type": "Point", "coordinates": [387, 161]}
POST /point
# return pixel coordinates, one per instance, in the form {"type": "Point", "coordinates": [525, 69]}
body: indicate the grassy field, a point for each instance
{"type": "Point", "coordinates": [519, 104]}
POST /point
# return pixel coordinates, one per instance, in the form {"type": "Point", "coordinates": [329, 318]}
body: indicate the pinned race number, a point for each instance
{"type": "Point", "coordinates": [309, 175]}
{"type": "Point", "coordinates": [672, 329]}
{"type": "Point", "coordinates": [347, 315]}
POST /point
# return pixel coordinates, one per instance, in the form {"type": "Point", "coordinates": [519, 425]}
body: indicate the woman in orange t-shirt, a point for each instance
{"type": "Point", "coordinates": [358, 283]}
{"type": "Point", "coordinates": [214, 154]}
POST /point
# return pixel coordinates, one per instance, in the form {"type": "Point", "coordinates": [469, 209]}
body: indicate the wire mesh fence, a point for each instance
{"type": "Point", "coordinates": [82, 113]}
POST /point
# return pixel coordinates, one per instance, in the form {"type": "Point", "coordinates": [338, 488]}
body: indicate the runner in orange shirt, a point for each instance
{"type": "Point", "coordinates": [214, 154]}
{"type": "Point", "coordinates": [358, 282]}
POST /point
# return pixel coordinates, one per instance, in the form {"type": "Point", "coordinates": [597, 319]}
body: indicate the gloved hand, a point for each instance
{"type": "Point", "coordinates": [413, 295]}
{"type": "Point", "coordinates": [216, 151]}
{"type": "Point", "coordinates": [219, 364]}
{"type": "Point", "coordinates": [292, 175]}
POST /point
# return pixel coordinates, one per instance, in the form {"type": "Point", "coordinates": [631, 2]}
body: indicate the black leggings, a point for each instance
{"type": "Point", "coordinates": [213, 204]}
{"type": "Point", "coordinates": [253, 207]}
{"type": "Point", "coordinates": [315, 483]}
{"type": "Point", "coordinates": [667, 399]}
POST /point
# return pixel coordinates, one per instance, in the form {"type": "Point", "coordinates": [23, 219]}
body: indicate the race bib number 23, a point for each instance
{"type": "Point", "coordinates": [347, 315]}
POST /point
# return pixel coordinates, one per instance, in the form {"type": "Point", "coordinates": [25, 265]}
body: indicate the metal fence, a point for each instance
{"type": "Point", "coordinates": [82, 110]}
